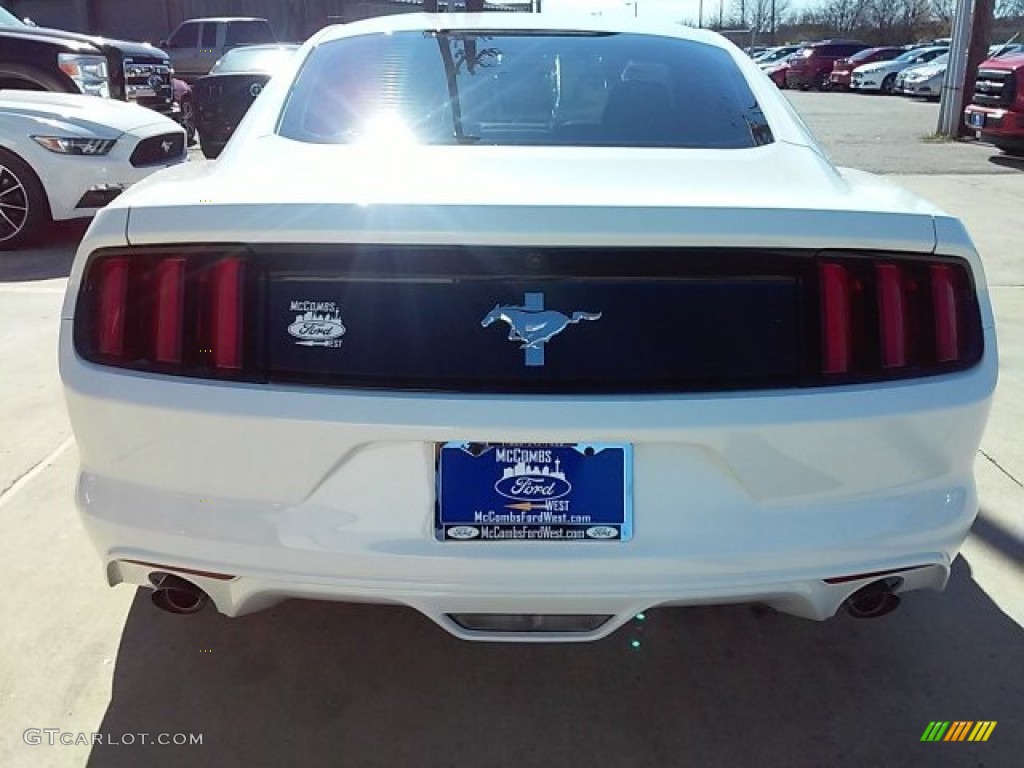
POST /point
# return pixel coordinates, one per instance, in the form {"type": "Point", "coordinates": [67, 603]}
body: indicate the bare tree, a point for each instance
{"type": "Point", "coordinates": [844, 16]}
{"type": "Point", "coordinates": [895, 21]}
{"type": "Point", "coordinates": [762, 15]}
{"type": "Point", "coordinates": [944, 11]}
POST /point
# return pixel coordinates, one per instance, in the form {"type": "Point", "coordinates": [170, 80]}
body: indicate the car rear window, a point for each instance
{"type": "Point", "coordinates": [513, 88]}
{"type": "Point", "coordinates": [253, 60]}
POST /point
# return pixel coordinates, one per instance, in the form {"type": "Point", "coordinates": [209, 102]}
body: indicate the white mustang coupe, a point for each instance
{"type": "Point", "coordinates": [529, 324]}
{"type": "Point", "coordinates": [64, 156]}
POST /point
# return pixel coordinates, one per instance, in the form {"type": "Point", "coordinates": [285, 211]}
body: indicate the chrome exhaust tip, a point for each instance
{"type": "Point", "coordinates": [874, 600]}
{"type": "Point", "coordinates": [176, 595]}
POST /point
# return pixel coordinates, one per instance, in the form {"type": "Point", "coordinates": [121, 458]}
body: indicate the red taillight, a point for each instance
{"type": "Point", "coordinates": [835, 319]}
{"type": "Point", "coordinates": [176, 313]}
{"type": "Point", "coordinates": [944, 300]}
{"type": "Point", "coordinates": [112, 307]}
{"type": "Point", "coordinates": [892, 315]}
{"type": "Point", "coordinates": [169, 307]}
{"type": "Point", "coordinates": [226, 313]}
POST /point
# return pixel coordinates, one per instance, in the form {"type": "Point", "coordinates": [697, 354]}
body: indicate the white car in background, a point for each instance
{"type": "Point", "coordinates": [881, 75]}
{"type": "Point", "coordinates": [773, 56]}
{"type": "Point", "coordinates": [926, 80]}
{"type": "Point", "coordinates": [530, 322]}
{"type": "Point", "coordinates": [65, 156]}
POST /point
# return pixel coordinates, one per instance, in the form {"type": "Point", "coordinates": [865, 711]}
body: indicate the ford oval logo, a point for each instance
{"type": "Point", "coordinates": [532, 487]}
{"type": "Point", "coordinates": [155, 81]}
{"type": "Point", "coordinates": [316, 330]}
{"type": "Point", "coordinates": [602, 532]}
{"type": "Point", "coordinates": [463, 532]}
{"type": "Point", "coordinates": [255, 89]}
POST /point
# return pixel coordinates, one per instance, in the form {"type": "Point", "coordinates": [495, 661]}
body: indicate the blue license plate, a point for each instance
{"type": "Point", "coordinates": [976, 119]}
{"type": "Point", "coordinates": [534, 492]}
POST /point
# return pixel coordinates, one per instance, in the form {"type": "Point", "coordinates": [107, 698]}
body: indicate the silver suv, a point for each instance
{"type": "Point", "coordinates": [196, 44]}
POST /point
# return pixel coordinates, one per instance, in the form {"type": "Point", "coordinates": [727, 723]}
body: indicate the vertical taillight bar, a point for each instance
{"type": "Point", "coordinates": [169, 310]}
{"type": "Point", "coordinates": [892, 318]}
{"type": "Point", "coordinates": [112, 286]}
{"type": "Point", "coordinates": [835, 318]}
{"type": "Point", "coordinates": [947, 321]}
{"type": "Point", "coordinates": [226, 333]}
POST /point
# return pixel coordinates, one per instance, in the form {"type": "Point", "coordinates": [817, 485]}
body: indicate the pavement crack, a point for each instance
{"type": "Point", "coordinates": [1001, 469]}
{"type": "Point", "coordinates": [26, 477]}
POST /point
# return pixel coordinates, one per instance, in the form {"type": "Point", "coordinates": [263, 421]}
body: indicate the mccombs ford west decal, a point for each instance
{"type": "Point", "coordinates": [534, 492]}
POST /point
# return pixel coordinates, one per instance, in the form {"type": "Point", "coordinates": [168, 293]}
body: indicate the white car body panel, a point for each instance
{"type": "Point", "coordinates": [66, 178]}
{"type": "Point", "coordinates": [297, 491]}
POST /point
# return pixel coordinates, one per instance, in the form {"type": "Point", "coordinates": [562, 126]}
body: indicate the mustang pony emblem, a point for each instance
{"type": "Point", "coordinates": [533, 325]}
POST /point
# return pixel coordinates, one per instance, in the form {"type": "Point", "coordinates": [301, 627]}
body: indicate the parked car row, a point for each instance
{"type": "Point", "coordinates": [849, 64]}
{"type": "Point", "coordinates": [39, 59]}
{"type": "Point", "coordinates": [880, 75]}
{"type": "Point", "coordinates": [69, 144]}
{"type": "Point", "coordinates": [223, 64]}
{"type": "Point", "coordinates": [996, 111]}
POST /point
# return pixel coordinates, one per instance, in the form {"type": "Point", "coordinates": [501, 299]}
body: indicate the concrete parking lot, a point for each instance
{"type": "Point", "coordinates": [310, 684]}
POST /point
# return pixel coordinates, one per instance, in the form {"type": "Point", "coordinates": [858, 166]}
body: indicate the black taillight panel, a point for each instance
{"type": "Point", "coordinates": [670, 321]}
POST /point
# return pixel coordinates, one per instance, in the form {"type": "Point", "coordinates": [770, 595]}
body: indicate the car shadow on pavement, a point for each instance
{"type": "Point", "coordinates": [45, 260]}
{"type": "Point", "coordinates": [1008, 161]}
{"type": "Point", "coordinates": [311, 684]}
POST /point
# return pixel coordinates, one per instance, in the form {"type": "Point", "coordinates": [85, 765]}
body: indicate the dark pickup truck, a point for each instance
{"type": "Point", "coordinates": [39, 59]}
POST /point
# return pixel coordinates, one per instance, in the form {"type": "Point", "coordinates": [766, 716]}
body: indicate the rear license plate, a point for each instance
{"type": "Point", "coordinates": [534, 492]}
{"type": "Point", "coordinates": [976, 119]}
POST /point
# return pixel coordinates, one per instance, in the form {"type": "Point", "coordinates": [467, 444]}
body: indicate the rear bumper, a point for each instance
{"type": "Point", "coordinates": [866, 83]}
{"type": "Point", "coordinates": [800, 79]}
{"type": "Point", "coordinates": [616, 603]}
{"type": "Point", "coordinates": [329, 494]}
{"type": "Point", "coordinates": [925, 89]}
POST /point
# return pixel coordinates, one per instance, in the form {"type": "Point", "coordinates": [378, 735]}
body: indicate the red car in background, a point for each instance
{"type": "Point", "coordinates": [996, 113]}
{"type": "Point", "coordinates": [842, 69]}
{"type": "Point", "coordinates": [812, 66]}
{"type": "Point", "coordinates": [777, 71]}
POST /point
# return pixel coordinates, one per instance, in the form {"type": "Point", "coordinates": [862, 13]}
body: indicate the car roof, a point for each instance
{"type": "Point", "coordinates": [498, 21]}
{"type": "Point", "coordinates": [226, 18]}
{"type": "Point", "coordinates": [836, 41]}
{"type": "Point", "coordinates": [265, 47]}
